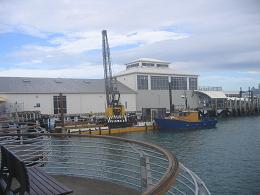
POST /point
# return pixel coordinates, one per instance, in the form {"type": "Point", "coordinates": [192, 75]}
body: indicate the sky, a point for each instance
{"type": "Point", "coordinates": [217, 39]}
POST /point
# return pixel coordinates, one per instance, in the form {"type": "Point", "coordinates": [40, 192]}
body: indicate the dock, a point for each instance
{"type": "Point", "coordinates": [108, 131]}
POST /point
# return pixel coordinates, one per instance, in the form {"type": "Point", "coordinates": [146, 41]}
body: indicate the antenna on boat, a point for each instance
{"type": "Point", "coordinates": [185, 99]}
{"type": "Point", "coordinates": [170, 98]}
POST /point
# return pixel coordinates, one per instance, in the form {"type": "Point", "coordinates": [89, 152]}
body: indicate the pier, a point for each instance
{"type": "Point", "coordinates": [214, 102]}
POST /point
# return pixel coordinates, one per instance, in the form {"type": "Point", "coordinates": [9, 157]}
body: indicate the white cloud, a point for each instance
{"type": "Point", "coordinates": [35, 61]}
{"type": "Point", "coordinates": [229, 82]}
{"type": "Point", "coordinates": [196, 35]}
{"type": "Point", "coordinates": [77, 43]}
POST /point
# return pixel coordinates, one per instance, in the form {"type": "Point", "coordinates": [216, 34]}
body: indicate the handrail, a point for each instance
{"type": "Point", "coordinates": [160, 187]}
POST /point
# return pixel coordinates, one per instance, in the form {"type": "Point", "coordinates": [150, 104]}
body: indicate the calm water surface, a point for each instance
{"type": "Point", "coordinates": [226, 158]}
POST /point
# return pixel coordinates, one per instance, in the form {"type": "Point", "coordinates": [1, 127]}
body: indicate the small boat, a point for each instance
{"type": "Point", "coordinates": [185, 120]}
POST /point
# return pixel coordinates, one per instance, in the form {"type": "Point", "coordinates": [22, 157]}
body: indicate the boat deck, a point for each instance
{"type": "Point", "coordinates": [94, 187]}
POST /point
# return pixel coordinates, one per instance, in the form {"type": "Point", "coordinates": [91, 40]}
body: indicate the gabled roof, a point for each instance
{"type": "Point", "coordinates": [56, 85]}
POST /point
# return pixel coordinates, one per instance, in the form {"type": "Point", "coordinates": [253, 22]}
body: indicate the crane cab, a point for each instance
{"type": "Point", "coordinates": [116, 116]}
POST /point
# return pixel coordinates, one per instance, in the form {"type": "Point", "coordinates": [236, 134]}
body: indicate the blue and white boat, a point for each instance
{"type": "Point", "coordinates": [185, 120]}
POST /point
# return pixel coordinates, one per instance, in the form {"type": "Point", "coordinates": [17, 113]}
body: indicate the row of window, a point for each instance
{"type": "Point", "coordinates": [159, 82]}
{"type": "Point", "coordinates": [162, 83]}
{"type": "Point", "coordinates": [132, 65]}
{"type": "Point", "coordinates": [147, 64]}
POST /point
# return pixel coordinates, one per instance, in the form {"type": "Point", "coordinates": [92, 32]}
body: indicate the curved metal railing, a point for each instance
{"type": "Point", "coordinates": [142, 166]}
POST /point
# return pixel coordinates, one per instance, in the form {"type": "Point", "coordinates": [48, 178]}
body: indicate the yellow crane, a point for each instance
{"type": "Point", "coordinates": [115, 111]}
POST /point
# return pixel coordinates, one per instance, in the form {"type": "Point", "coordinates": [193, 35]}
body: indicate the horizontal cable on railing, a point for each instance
{"type": "Point", "coordinates": [180, 175]}
{"type": "Point", "coordinates": [88, 153]}
{"type": "Point", "coordinates": [175, 188]}
{"type": "Point", "coordinates": [186, 185]}
{"type": "Point", "coordinates": [55, 151]}
{"type": "Point", "coordinates": [106, 166]}
{"type": "Point", "coordinates": [105, 160]}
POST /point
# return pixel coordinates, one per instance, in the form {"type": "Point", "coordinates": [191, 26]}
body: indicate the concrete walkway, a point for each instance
{"type": "Point", "coordinates": [82, 186]}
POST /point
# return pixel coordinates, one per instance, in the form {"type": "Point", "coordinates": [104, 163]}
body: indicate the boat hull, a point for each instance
{"type": "Point", "coordinates": [172, 124]}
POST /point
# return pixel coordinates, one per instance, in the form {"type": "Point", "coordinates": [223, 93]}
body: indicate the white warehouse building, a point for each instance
{"type": "Point", "coordinates": [144, 87]}
{"type": "Point", "coordinates": [150, 79]}
{"type": "Point", "coordinates": [42, 94]}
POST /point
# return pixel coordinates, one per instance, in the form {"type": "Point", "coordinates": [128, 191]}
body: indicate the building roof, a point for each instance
{"type": "Point", "coordinates": [232, 92]}
{"type": "Point", "coordinates": [56, 85]}
{"type": "Point", "coordinates": [148, 60]}
{"type": "Point", "coordinates": [152, 70]}
{"type": "Point", "coordinates": [214, 94]}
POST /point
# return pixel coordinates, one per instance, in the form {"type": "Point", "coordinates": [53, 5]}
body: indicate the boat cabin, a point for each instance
{"type": "Point", "coordinates": [189, 116]}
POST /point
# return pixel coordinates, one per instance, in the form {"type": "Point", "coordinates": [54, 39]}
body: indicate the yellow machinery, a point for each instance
{"type": "Point", "coordinates": [115, 111]}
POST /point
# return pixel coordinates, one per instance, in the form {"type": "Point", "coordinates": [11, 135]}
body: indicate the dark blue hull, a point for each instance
{"type": "Point", "coordinates": [171, 124]}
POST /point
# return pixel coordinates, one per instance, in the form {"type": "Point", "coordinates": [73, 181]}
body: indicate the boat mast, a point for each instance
{"type": "Point", "coordinates": [170, 98]}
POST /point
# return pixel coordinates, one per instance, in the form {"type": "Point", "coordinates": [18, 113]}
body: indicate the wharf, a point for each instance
{"type": "Point", "coordinates": [107, 131]}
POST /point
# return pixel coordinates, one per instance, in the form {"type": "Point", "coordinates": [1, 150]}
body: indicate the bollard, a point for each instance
{"type": "Point", "coordinates": [145, 127]}
{"type": "Point", "coordinates": [79, 131]}
{"type": "Point", "coordinates": [89, 131]}
{"type": "Point", "coordinates": [99, 128]}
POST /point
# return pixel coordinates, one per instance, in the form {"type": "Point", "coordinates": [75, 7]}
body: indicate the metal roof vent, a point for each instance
{"type": "Point", "coordinates": [87, 82]}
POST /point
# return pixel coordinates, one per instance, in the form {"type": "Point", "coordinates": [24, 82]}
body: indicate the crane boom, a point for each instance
{"type": "Point", "coordinates": [112, 93]}
{"type": "Point", "coordinates": [115, 111]}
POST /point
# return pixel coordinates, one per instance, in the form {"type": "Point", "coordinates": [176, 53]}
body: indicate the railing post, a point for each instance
{"type": "Point", "coordinates": [143, 172]}
{"type": "Point", "coordinates": [20, 137]}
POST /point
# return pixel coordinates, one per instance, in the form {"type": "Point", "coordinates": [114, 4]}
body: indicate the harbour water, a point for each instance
{"type": "Point", "coordinates": [226, 158]}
